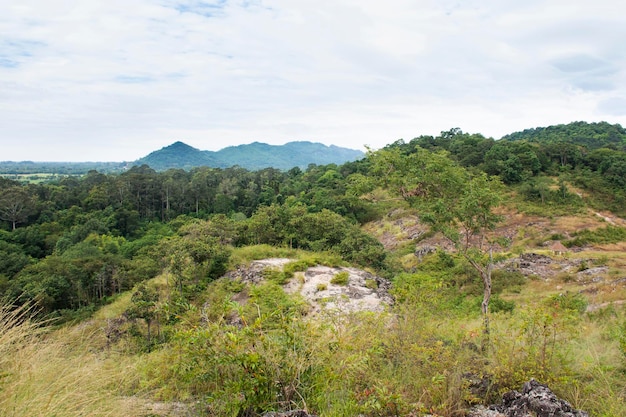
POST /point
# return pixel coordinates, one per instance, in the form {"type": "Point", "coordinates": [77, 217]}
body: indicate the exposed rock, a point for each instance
{"type": "Point", "coordinates": [422, 251]}
{"type": "Point", "coordinates": [253, 274]}
{"type": "Point", "coordinates": [534, 258]}
{"type": "Point", "coordinates": [529, 264]}
{"type": "Point", "coordinates": [477, 384]}
{"type": "Point", "coordinates": [482, 411]}
{"type": "Point", "coordinates": [593, 271]}
{"type": "Point", "coordinates": [535, 400]}
{"type": "Point", "coordinates": [363, 292]}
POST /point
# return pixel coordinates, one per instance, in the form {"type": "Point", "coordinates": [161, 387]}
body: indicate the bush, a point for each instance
{"type": "Point", "coordinates": [568, 301]}
{"type": "Point", "coordinates": [277, 276]}
{"type": "Point", "coordinates": [341, 278]}
{"type": "Point", "coordinates": [497, 304]}
{"type": "Point", "coordinates": [506, 280]}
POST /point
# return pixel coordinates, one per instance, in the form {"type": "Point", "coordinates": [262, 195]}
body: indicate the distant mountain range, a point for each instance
{"type": "Point", "coordinates": [253, 156]}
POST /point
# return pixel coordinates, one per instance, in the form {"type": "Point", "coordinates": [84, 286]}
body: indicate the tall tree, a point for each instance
{"type": "Point", "coordinates": [16, 204]}
{"type": "Point", "coordinates": [450, 199]}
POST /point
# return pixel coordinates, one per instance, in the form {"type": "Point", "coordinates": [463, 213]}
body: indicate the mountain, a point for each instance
{"type": "Point", "coordinates": [252, 156]}
{"type": "Point", "coordinates": [178, 155]}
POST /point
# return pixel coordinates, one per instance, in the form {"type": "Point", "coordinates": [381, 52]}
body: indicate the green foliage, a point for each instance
{"type": "Point", "coordinates": [514, 162]}
{"type": "Point", "coordinates": [144, 306]}
{"type": "Point", "coordinates": [372, 284]}
{"type": "Point", "coordinates": [277, 276]}
{"type": "Point", "coordinates": [300, 265]}
{"type": "Point", "coordinates": [497, 304]}
{"type": "Point", "coordinates": [507, 280]}
{"type": "Point", "coordinates": [568, 302]}
{"type": "Point", "coordinates": [592, 135]}
{"type": "Point", "coordinates": [340, 278]}
{"type": "Point", "coordinates": [435, 293]}
{"type": "Point", "coordinates": [535, 343]}
{"type": "Point", "coordinates": [194, 258]}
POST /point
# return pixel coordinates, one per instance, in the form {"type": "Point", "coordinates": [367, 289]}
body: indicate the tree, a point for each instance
{"type": "Point", "coordinates": [16, 204]}
{"type": "Point", "coordinates": [196, 256]}
{"type": "Point", "coordinates": [450, 199]}
{"type": "Point", "coordinates": [144, 306]}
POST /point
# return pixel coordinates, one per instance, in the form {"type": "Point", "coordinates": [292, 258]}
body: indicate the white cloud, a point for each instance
{"type": "Point", "coordinates": [115, 80]}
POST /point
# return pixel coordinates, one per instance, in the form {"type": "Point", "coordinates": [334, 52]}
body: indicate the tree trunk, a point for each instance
{"type": "Point", "coordinates": [486, 276]}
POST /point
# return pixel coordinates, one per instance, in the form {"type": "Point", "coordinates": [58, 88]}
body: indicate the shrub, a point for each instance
{"type": "Point", "coordinates": [372, 284]}
{"type": "Point", "coordinates": [299, 265]}
{"type": "Point", "coordinates": [568, 301]}
{"type": "Point", "coordinates": [277, 276]}
{"type": "Point", "coordinates": [341, 278]}
{"type": "Point", "coordinates": [506, 280]}
{"type": "Point", "coordinates": [497, 304]}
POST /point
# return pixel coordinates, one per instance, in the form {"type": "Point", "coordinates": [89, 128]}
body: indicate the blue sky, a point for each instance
{"type": "Point", "coordinates": [114, 80]}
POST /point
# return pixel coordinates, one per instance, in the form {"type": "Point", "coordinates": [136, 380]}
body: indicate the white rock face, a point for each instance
{"type": "Point", "coordinates": [363, 291]}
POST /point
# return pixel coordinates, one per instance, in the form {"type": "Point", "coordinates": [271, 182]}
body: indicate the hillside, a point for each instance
{"type": "Point", "coordinates": [426, 279]}
{"type": "Point", "coordinates": [590, 135]}
{"type": "Point", "coordinates": [252, 156]}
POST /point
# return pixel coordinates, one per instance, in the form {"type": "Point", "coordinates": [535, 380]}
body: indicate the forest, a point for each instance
{"type": "Point", "coordinates": [143, 253]}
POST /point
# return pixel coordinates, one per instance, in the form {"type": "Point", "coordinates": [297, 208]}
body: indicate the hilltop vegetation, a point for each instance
{"type": "Point", "coordinates": [132, 269]}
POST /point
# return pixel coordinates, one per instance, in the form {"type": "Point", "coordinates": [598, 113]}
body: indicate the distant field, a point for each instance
{"type": "Point", "coordinates": [30, 169]}
{"type": "Point", "coordinates": [35, 178]}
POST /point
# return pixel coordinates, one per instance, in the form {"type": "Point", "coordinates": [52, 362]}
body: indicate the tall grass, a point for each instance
{"type": "Point", "coordinates": [45, 374]}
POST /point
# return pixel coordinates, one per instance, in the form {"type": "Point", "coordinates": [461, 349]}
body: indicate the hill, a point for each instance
{"type": "Point", "coordinates": [252, 156]}
{"type": "Point", "coordinates": [590, 135]}
{"type": "Point", "coordinates": [178, 155]}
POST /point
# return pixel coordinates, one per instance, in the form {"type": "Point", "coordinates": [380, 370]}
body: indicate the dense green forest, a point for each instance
{"type": "Point", "coordinates": [71, 245]}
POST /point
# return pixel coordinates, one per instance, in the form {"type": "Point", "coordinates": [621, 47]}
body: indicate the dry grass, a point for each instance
{"type": "Point", "coordinates": [58, 373]}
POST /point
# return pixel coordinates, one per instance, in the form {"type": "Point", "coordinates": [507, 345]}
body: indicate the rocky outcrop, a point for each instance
{"type": "Point", "coordinates": [535, 400]}
{"type": "Point", "coordinates": [253, 274]}
{"type": "Point", "coordinates": [363, 290]}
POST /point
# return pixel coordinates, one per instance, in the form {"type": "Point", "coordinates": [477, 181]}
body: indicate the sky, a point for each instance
{"type": "Point", "coordinates": [93, 80]}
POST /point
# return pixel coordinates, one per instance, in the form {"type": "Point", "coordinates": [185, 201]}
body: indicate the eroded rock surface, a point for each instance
{"type": "Point", "coordinates": [535, 400]}
{"type": "Point", "coordinates": [363, 291]}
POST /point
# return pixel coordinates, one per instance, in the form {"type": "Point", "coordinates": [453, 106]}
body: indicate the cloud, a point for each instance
{"type": "Point", "coordinates": [587, 72]}
{"type": "Point", "coordinates": [614, 106]}
{"type": "Point", "coordinates": [115, 80]}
